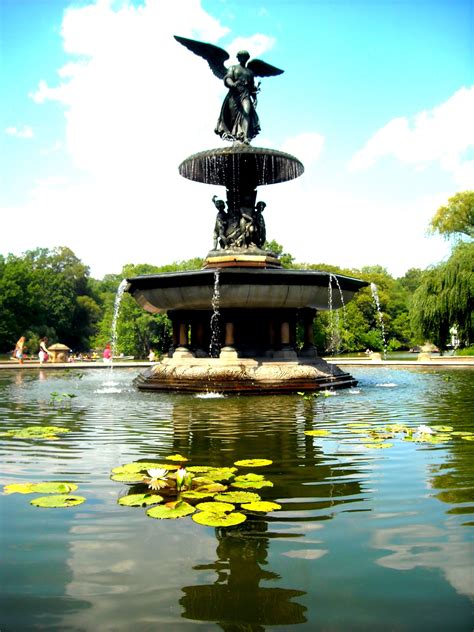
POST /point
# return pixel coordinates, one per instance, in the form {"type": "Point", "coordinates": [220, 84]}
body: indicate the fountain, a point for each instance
{"type": "Point", "coordinates": [242, 307]}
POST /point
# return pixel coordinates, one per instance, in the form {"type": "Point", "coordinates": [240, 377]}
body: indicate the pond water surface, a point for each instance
{"type": "Point", "coordinates": [366, 539]}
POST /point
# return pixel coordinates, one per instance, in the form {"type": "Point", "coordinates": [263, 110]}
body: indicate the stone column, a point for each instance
{"type": "Point", "coordinates": [286, 352]}
{"type": "Point", "coordinates": [228, 351]}
{"type": "Point", "coordinates": [309, 349]}
{"type": "Point", "coordinates": [197, 339]}
{"type": "Point", "coordinates": [182, 351]}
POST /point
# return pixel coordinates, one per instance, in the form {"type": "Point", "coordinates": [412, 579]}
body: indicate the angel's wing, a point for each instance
{"type": "Point", "coordinates": [262, 69]}
{"type": "Point", "coordinates": [214, 55]}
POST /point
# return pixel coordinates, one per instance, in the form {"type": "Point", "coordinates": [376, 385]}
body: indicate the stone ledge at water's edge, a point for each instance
{"type": "Point", "coordinates": [242, 375]}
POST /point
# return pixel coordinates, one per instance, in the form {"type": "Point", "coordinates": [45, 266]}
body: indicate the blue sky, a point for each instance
{"type": "Point", "coordinates": [99, 105]}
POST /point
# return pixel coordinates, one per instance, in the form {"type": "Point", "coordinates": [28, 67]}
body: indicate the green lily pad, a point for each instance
{"type": "Point", "coordinates": [261, 505]}
{"type": "Point", "coordinates": [57, 500]}
{"type": "Point", "coordinates": [237, 497]}
{"type": "Point", "coordinates": [128, 477]}
{"type": "Point", "coordinates": [253, 462]}
{"type": "Point", "coordinates": [195, 495]}
{"type": "Point", "coordinates": [443, 428]}
{"type": "Point", "coordinates": [18, 488]}
{"type": "Point", "coordinates": [378, 446]}
{"type": "Point", "coordinates": [212, 488]}
{"type": "Point", "coordinates": [215, 507]}
{"type": "Point", "coordinates": [251, 484]}
{"type": "Point", "coordinates": [210, 519]}
{"type": "Point", "coordinates": [317, 433]}
{"type": "Point", "coordinates": [180, 510]}
{"type": "Point", "coordinates": [37, 432]}
{"type": "Point", "coordinates": [142, 466]}
{"type": "Point", "coordinates": [462, 433]}
{"type": "Point", "coordinates": [176, 457]}
{"type": "Point", "coordinates": [468, 437]}
{"type": "Point", "coordinates": [250, 477]}
{"type": "Point", "coordinates": [54, 488]}
{"type": "Point", "coordinates": [199, 469]}
{"type": "Point", "coordinates": [217, 474]}
{"type": "Point", "coordinates": [140, 500]}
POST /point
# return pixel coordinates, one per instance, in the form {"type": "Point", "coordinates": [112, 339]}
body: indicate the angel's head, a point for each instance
{"type": "Point", "coordinates": [243, 56]}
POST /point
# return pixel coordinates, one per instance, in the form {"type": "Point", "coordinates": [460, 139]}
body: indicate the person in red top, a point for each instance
{"type": "Point", "coordinates": [107, 355]}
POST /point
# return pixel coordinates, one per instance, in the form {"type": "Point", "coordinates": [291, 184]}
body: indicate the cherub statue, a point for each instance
{"type": "Point", "coordinates": [221, 223]}
{"type": "Point", "coordinates": [238, 120]}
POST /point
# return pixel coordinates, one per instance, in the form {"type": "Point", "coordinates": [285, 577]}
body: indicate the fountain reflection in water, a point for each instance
{"type": "Point", "coordinates": [215, 344]}
{"type": "Point", "coordinates": [375, 295]}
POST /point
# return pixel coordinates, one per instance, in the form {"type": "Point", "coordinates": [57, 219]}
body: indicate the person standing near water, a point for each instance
{"type": "Point", "coordinates": [107, 355]}
{"type": "Point", "coordinates": [43, 354]}
{"type": "Point", "coordinates": [19, 349]}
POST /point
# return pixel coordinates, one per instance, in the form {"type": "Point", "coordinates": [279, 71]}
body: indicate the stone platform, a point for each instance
{"type": "Point", "coordinates": [243, 375]}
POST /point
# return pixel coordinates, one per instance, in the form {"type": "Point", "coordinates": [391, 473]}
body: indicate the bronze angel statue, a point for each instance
{"type": "Point", "coordinates": [238, 120]}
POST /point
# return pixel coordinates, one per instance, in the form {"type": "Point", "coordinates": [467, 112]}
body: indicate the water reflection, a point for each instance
{"type": "Point", "coordinates": [236, 600]}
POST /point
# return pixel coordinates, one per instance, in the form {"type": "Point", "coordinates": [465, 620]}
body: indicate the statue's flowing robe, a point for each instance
{"type": "Point", "coordinates": [230, 125]}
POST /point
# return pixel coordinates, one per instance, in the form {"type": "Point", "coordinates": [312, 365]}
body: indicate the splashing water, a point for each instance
{"type": "Point", "coordinates": [334, 337]}
{"type": "Point", "coordinates": [215, 344]}
{"type": "Point", "coordinates": [375, 295]}
{"type": "Point", "coordinates": [118, 300]}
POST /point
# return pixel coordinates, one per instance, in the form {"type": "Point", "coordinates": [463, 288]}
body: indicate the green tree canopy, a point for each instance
{"type": "Point", "coordinates": [456, 218]}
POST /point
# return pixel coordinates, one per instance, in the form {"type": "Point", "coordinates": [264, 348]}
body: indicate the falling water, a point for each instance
{"type": "Point", "coordinates": [215, 344]}
{"type": "Point", "coordinates": [118, 300]}
{"type": "Point", "coordinates": [375, 294]}
{"type": "Point", "coordinates": [335, 339]}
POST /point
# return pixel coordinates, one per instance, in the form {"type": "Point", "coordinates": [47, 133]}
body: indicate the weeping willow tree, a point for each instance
{"type": "Point", "coordinates": [445, 299]}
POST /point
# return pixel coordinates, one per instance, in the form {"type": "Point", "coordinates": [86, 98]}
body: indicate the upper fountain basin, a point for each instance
{"type": "Point", "coordinates": [231, 166]}
{"type": "Point", "coordinates": [242, 288]}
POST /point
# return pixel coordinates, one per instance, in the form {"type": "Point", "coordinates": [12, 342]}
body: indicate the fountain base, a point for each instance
{"type": "Point", "coordinates": [230, 374]}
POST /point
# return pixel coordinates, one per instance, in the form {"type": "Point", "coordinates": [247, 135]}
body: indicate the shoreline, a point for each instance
{"type": "Point", "coordinates": [452, 361]}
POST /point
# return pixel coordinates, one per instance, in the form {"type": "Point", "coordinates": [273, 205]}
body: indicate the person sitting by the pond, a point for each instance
{"type": "Point", "coordinates": [43, 354]}
{"type": "Point", "coordinates": [151, 356]}
{"type": "Point", "coordinates": [107, 355]}
{"type": "Point", "coordinates": [19, 351]}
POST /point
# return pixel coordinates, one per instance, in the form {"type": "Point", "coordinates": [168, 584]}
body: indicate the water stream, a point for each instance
{"type": "Point", "coordinates": [215, 343]}
{"type": "Point", "coordinates": [375, 295]}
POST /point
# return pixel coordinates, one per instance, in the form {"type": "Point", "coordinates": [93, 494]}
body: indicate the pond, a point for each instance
{"type": "Point", "coordinates": [365, 539]}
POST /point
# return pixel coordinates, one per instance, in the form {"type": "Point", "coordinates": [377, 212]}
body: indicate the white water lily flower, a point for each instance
{"type": "Point", "coordinates": [425, 430]}
{"type": "Point", "coordinates": [180, 476]}
{"type": "Point", "coordinates": [157, 472]}
{"type": "Point", "coordinates": [157, 478]}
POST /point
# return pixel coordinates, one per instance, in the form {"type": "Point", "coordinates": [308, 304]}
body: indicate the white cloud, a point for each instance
{"type": "Point", "coordinates": [22, 132]}
{"type": "Point", "coordinates": [306, 147]}
{"type": "Point", "coordinates": [442, 135]}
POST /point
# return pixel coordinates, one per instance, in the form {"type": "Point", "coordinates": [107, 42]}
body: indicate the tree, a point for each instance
{"type": "Point", "coordinates": [456, 218]}
{"type": "Point", "coordinates": [445, 298]}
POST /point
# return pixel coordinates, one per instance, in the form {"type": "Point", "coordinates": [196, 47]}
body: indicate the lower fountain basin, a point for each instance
{"type": "Point", "coordinates": [243, 288]}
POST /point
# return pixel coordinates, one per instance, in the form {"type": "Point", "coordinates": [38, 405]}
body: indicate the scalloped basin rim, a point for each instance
{"type": "Point", "coordinates": [242, 288]}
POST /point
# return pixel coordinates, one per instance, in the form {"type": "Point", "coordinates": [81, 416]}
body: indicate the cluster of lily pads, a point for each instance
{"type": "Point", "coordinates": [377, 437]}
{"type": "Point", "coordinates": [209, 494]}
{"type": "Point", "coordinates": [35, 432]}
{"type": "Point", "coordinates": [58, 493]}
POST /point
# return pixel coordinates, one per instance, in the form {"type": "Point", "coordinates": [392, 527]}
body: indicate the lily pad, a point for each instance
{"type": "Point", "coordinates": [468, 437]}
{"type": "Point", "coordinates": [18, 488]}
{"type": "Point", "coordinates": [140, 500]}
{"type": "Point", "coordinates": [142, 466]}
{"type": "Point", "coordinates": [176, 457]}
{"type": "Point", "coordinates": [378, 446]}
{"type": "Point", "coordinates": [462, 433]}
{"type": "Point", "coordinates": [251, 484]}
{"type": "Point", "coordinates": [199, 469]}
{"type": "Point", "coordinates": [54, 488]}
{"type": "Point", "coordinates": [261, 505]}
{"type": "Point", "coordinates": [215, 507]}
{"type": "Point", "coordinates": [195, 495]}
{"type": "Point", "coordinates": [37, 432]}
{"type": "Point", "coordinates": [180, 510]}
{"type": "Point", "coordinates": [250, 477]}
{"type": "Point", "coordinates": [253, 462]}
{"type": "Point", "coordinates": [443, 428]}
{"type": "Point", "coordinates": [217, 474]}
{"type": "Point", "coordinates": [317, 433]}
{"type": "Point", "coordinates": [57, 500]}
{"type": "Point", "coordinates": [212, 488]}
{"type": "Point", "coordinates": [237, 497]}
{"type": "Point", "coordinates": [211, 519]}
{"type": "Point", "coordinates": [128, 477]}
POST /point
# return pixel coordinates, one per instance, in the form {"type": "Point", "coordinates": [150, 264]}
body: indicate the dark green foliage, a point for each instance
{"type": "Point", "coordinates": [445, 298]}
